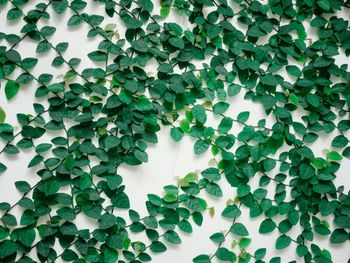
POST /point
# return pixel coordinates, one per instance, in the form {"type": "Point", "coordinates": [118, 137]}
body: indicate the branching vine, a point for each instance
{"type": "Point", "coordinates": [107, 116]}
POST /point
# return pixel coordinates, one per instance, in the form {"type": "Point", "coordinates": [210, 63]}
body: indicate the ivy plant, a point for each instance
{"type": "Point", "coordinates": [108, 115]}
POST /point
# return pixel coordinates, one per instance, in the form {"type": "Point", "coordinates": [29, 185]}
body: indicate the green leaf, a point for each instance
{"type": "Point", "coordinates": [13, 55]}
{"type": "Point", "coordinates": [239, 229]}
{"type": "Point", "coordinates": [29, 63]}
{"type": "Point", "coordinates": [43, 46]}
{"type": "Point", "coordinates": [140, 46]}
{"type": "Point", "coordinates": [164, 11]}
{"type": "Point", "coordinates": [56, 87]}
{"type": "Point", "coordinates": [267, 226]}
{"type": "Point", "coordinates": [185, 226]}
{"type": "Point", "coordinates": [185, 126]}
{"type": "Point", "coordinates": [172, 237]}
{"type": "Point", "coordinates": [131, 23]}
{"type": "Point", "coordinates": [243, 116]}
{"type": "Point", "coordinates": [243, 190]}
{"type": "Point", "coordinates": [165, 68]}
{"type": "Point", "coordinates": [306, 171]}
{"type": "Point", "coordinates": [269, 80]}
{"type": "Point", "coordinates": [293, 70]}
{"type": "Point", "coordinates": [23, 186]}
{"type": "Point", "coordinates": [66, 213]}
{"type": "Point", "coordinates": [294, 99]}
{"type": "Point", "coordinates": [225, 125]}
{"type": "Point", "coordinates": [2, 167]}
{"type": "Point", "coordinates": [202, 259]}
{"type": "Point", "coordinates": [313, 100]}
{"type": "Point", "coordinates": [2, 115]}
{"type": "Point", "coordinates": [14, 13]}
{"type": "Point", "coordinates": [231, 211]}
{"type": "Point", "coordinates": [346, 152]}
{"type": "Point", "coordinates": [47, 30]}
{"type": "Point", "coordinates": [340, 141]}
{"type": "Point", "coordinates": [32, 132]}
{"type": "Point", "coordinates": [200, 147]}
{"type": "Point", "coordinates": [339, 236]}
{"type": "Point", "coordinates": [98, 55]}
{"type": "Point", "coordinates": [322, 62]}
{"type": "Point", "coordinates": [7, 248]}
{"type": "Point", "coordinates": [196, 204]}
{"type": "Point", "coordinates": [283, 242]}
{"type": "Point", "coordinates": [244, 242]}
{"type": "Point", "coordinates": [11, 89]}
{"type": "Point", "coordinates": [334, 156]}
{"type": "Point", "coordinates": [107, 221]}
{"type": "Point", "coordinates": [175, 28]}
{"type": "Point", "coordinates": [214, 189]}
{"type": "Point", "coordinates": [218, 238]}
{"type": "Point", "coordinates": [212, 174]}
{"type": "Point", "coordinates": [225, 255]}
{"type": "Point", "coordinates": [177, 42]}
{"type": "Point", "coordinates": [4, 232]}
{"type": "Point", "coordinates": [199, 114]}
{"type": "Point", "coordinates": [27, 236]}
{"type": "Point", "coordinates": [146, 5]}
{"type": "Point", "coordinates": [75, 20]}
{"type": "Point", "coordinates": [51, 186]}
{"type": "Point", "coordinates": [110, 255]}
{"type": "Point", "coordinates": [176, 133]}
{"type": "Point", "coordinates": [260, 253]}
{"type": "Point", "coordinates": [343, 221]}
{"type": "Point", "coordinates": [157, 247]}
{"type": "Point", "coordinates": [28, 218]}
{"type": "Point", "coordinates": [197, 218]}
{"type": "Point", "coordinates": [141, 156]}
{"type": "Point", "coordinates": [233, 90]}
{"type": "Point", "coordinates": [220, 107]}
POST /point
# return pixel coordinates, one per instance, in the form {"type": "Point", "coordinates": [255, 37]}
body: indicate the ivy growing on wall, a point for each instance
{"type": "Point", "coordinates": [107, 116]}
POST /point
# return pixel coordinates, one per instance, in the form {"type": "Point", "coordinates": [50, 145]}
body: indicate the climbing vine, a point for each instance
{"type": "Point", "coordinates": [91, 121]}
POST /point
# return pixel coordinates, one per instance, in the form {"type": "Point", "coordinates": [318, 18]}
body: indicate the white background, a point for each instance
{"type": "Point", "coordinates": [167, 159]}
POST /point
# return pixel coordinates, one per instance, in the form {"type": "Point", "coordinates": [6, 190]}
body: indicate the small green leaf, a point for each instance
{"type": "Point", "coordinates": [98, 55]}
{"type": "Point", "coordinates": [231, 211]}
{"type": "Point", "coordinates": [202, 259]}
{"type": "Point", "coordinates": [239, 229]}
{"type": "Point", "coordinates": [23, 186]}
{"type": "Point", "coordinates": [11, 89]}
{"type": "Point", "coordinates": [334, 156]}
{"type": "Point", "coordinates": [199, 114]}
{"type": "Point", "coordinates": [339, 236]}
{"type": "Point", "coordinates": [157, 247]}
{"type": "Point", "coordinates": [2, 115]}
{"type": "Point", "coordinates": [294, 99]}
{"type": "Point", "coordinates": [176, 133]}
{"type": "Point", "coordinates": [2, 167]}
{"type": "Point", "coordinates": [244, 242]}
{"type": "Point", "coordinates": [243, 116]}
{"type": "Point", "coordinates": [225, 125]}
{"type": "Point", "coordinates": [340, 141]}
{"type": "Point", "coordinates": [56, 87]}
{"type": "Point", "coordinates": [7, 248]}
{"type": "Point", "coordinates": [200, 146]}
{"type": "Point", "coordinates": [164, 11]}
{"type": "Point", "coordinates": [110, 255]}
{"type": "Point", "coordinates": [283, 242]}
{"type": "Point", "coordinates": [225, 255]}
{"type": "Point", "coordinates": [172, 237]}
{"type": "Point", "coordinates": [267, 226]}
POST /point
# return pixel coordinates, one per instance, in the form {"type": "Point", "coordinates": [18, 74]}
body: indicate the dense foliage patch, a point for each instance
{"type": "Point", "coordinates": [96, 119]}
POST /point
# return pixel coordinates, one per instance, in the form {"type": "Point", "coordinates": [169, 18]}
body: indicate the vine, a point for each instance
{"type": "Point", "coordinates": [107, 116]}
